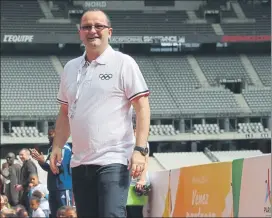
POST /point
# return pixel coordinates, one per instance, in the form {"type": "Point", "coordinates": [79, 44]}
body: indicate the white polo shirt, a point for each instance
{"type": "Point", "coordinates": [101, 127]}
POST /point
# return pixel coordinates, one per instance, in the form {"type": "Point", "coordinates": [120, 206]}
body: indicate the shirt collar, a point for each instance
{"type": "Point", "coordinates": [103, 58]}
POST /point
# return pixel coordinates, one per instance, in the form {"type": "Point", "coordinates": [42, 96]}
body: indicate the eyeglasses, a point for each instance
{"type": "Point", "coordinates": [97, 27]}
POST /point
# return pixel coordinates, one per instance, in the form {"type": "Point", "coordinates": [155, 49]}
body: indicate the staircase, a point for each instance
{"type": "Point", "coordinates": [242, 103]}
{"type": "Point", "coordinates": [198, 72]}
{"type": "Point", "coordinates": [251, 71]}
{"type": "Point", "coordinates": [57, 65]}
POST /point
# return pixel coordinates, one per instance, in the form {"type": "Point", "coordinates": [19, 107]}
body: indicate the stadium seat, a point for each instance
{"type": "Point", "coordinates": [29, 86]}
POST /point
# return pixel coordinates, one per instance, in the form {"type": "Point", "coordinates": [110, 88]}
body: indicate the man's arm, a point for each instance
{"type": "Point", "coordinates": [45, 166]}
{"type": "Point", "coordinates": [142, 109]}
{"type": "Point", "coordinates": [5, 173]}
{"type": "Point", "coordinates": [62, 127]}
{"type": "Point", "coordinates": [41, 160]}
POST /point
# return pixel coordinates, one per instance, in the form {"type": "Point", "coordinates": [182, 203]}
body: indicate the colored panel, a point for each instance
{"type": "Point", "coordinates": [205, 191]}
{"type": "Point", "coordinates": [237, 167]}
{"type": "Point", "coordinates": [255, 193]}
{"type": "Point", "coordinates": [159, 197]}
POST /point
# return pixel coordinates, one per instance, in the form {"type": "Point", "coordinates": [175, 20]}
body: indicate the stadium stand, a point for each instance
{"type": "Point", "coordinates": [32, 92]}
{"type": "Point", "coordinates": [262, 25]}
{"type": "Point", "coordinates": [251, 128]}
{"type": "Point", "coordinates": [170, 23]}
{"type": "Point", "coordinates": [22, 17]}
{"type": "Point", "coordinates": [163, 130]}
{"type": "Point", "coordinates": [219, 67]}
{"type": "Point", "coordinates": [262, 64]}
{"type": "Point", "coordinates": [169, 78]}
{"type": "Point", "coordinates": [207, 129]}
{"type": "Point", "coordinates": [23, 131]}
{"type": "Point", "coordinates": [258, 99]}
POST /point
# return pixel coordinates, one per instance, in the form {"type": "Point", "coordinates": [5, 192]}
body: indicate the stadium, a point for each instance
{"type": "Point", "coordinates": [208, 67]}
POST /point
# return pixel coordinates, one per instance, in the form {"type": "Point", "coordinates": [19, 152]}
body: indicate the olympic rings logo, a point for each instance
{"type": "Point", "coordinates": [105, 76]}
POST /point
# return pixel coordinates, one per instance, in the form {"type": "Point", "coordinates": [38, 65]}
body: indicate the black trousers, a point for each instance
{"type": "Point", "coordinates": [135, 212]}
{"type": "Point", "coordinates": [101, 191]}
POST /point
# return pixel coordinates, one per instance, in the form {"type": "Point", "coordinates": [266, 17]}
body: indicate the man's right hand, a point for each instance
{"type": "Point", "coordinates": [37, 156]}
{"type": "Point", "coordinates": [55, 160]}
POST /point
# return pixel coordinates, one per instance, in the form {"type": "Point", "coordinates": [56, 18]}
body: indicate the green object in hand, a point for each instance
{"type": "Point", "coordinates": [134, 199]}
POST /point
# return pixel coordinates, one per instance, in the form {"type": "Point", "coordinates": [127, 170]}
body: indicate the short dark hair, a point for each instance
{"type": "Point", "coordinates": [95, 9]}
{"type": "Point", "coordinates": [37, 194]}
{"type": "Point", "coordinates": [22, 212]}
{"type": "Point", "coordinates": [33, 198]}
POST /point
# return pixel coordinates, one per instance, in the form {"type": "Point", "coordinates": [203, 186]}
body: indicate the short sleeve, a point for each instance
{"type": "Point", "coordinates": [134, 82]}
{"type": "Point", "coordinates": [61, 98]}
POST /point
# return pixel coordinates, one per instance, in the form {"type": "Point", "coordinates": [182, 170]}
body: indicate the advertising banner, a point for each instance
{"type": "Point", "coordinates": [159, 197]}
{"type": "Point", "coordinates": [8, 38]}
{"type": "Point", "coordinates": [205, 191]}
{"type": "Point", "coordinates": [240, 38]}
{"type": "Point", "coordinates": [252, 186]}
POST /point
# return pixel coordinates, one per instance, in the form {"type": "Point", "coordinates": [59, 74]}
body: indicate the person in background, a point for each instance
{"type": "Point", "coordinates": [18, 207]}
{"type": "Point", "coordinates": [59, 185]}
{"type": "Point", "coordinates": [36, 189]}
{"type": "Point", "coordinates": [27, 169]}
{"type": "Point", "coordinates": [8, 213]}
{"type": "Point", "coordinates": [70, 212]}
{"type": "Point", "coordinates": [35, 206]}
{"type": "Point", "coordinates": [12, 177]}
{"type": "Point", "coordinates": [22, 213]}
{"type": "Point", "coordinates": [61, 211]}
{"type": "Point", "coordinates": [2, 179]}
{"type": "Point", "coordinates": [4, 202]}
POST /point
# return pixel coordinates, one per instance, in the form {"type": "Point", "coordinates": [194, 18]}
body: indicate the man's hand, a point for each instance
{"type": "Point", "coordinates": [37, 156]}
{"type": "Point", "coordinates": [55, 160]}
{"type": "Point", "coordinates": [18, 187]}
{"type": "Point", "coordinates": [140, 185]}
{"type": "Point", "coordinates": [137, 164]}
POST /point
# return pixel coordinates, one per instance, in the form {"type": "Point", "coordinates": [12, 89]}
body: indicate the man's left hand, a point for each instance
{"type": "Point", "coordinates": [140, 185]}
{"type": "Point", "coordinates": [18, 188]}
{"type": "Point", "coordinates": [137, 164]}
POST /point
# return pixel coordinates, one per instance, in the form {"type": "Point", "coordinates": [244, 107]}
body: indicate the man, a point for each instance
{"type": "Point", "coordinates": [27, 169]}
{"type": "Point", "coordinates": [59, 185]}
{"type": "Point", "coordinates": [12, 174]}
{"type": "Point", "coordinates": [97, 91]}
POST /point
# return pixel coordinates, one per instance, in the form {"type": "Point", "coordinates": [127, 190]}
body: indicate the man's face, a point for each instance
{"type": "Point", "coordinates": [10, 158]}
{"type": "Point", "coordinates": [94, 30]}
{"type": "Point", "coordinates": [23, 155]}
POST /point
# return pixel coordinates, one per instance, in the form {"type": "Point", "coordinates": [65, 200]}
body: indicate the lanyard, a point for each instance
{"type": "Point", "coordinates": [79, 75]}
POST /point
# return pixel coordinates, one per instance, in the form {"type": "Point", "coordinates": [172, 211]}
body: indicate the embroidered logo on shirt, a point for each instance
{"type": "Point", "coordinates": [105, 76]}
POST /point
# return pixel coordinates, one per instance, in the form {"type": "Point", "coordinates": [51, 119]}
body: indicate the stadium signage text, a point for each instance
{"type": "Point", "coordinates": [163, 39]}
{"type": "Point", "coordinates": [126, 39]}
{"type": "Point", "coordinates": [262, 38]}
{"type": "Point", "coordinates": [95, 4]}
{"type": "Point", "coordinates": [18, 38]}
{"type": "Point", "coordinates": [255, 135]}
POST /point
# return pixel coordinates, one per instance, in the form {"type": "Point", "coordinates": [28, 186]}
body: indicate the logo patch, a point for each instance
{"type": "Point", "coordinates": [105, 76]}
